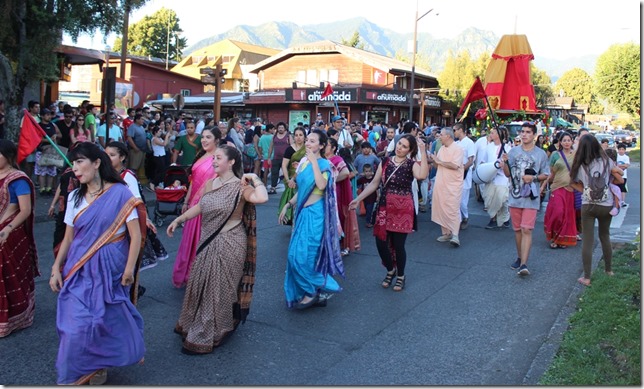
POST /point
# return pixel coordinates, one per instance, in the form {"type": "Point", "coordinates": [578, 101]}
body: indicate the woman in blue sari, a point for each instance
{"type": "Point", "coordinates": [314, 251]}
{"type": "Point", "coordinates": [97, 323]}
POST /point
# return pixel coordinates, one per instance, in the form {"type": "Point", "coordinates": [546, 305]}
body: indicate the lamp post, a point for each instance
{"type": "Point", "coordinates": [413, 60]}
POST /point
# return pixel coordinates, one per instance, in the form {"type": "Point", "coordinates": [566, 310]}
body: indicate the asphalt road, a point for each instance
{"type": "Point", "coordinates": [464, 318]}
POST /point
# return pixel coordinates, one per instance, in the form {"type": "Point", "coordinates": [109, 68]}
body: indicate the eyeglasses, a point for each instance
{"type": "Point", "coordinates": [80, 120]}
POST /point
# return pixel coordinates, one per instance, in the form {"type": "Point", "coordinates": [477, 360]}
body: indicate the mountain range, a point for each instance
{"type": "Point", "coordinates": [281, 35]}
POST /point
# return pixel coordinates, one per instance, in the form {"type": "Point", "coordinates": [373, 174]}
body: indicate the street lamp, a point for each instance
{"type": "Point", "coordinates": [413, 61]}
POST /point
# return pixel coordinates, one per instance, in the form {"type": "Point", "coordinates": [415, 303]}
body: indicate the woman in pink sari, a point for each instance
{"type": "Point", "coordinates": [201, 172]}
{"type": "Point", "coordinates": [344, 193]}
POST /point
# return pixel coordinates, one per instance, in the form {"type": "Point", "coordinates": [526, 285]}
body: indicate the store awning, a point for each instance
{"type": "Point", "coordinates": [561, 122]}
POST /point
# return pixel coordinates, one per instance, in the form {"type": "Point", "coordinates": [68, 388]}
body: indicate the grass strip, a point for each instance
{"type": "Point", "coordinates": [602, 345]}
{"type": "Point", "coordinates": [634, 154]}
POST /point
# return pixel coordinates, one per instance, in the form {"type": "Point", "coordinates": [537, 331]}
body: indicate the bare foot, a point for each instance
{"type": "Point", "coordinates": [584, 281]}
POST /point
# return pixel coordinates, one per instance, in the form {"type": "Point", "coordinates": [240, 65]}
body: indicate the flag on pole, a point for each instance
{"type": "Point", "coordinates": [477, 92]}
{"type": "Point", "coordinates": [467, 110]}
{"type": "Point", "coordinates": [30, 136]}
{"type": "Point", "coordinates": [327, 91]}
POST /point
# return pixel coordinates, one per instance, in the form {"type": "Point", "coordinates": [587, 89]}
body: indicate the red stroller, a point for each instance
{"type": "Point", "coordinates": [170, 200]}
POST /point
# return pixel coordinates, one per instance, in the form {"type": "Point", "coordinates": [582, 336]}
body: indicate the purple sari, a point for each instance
{"type": "Point", "coordinates": [98, 325]}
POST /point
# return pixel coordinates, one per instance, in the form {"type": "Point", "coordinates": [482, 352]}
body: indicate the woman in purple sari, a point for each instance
{"type": "Point", "coordinates": [97, 323]}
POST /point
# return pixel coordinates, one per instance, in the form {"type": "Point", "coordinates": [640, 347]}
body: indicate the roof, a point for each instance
{"type": "Point", "coordinates": [236, 53]}
{"type": "Point", "coordinates": [205, 99]}
{"type": "Point", "coordinates": [81, 56]}
{"type": "Point", "coordinates": [327, 47]}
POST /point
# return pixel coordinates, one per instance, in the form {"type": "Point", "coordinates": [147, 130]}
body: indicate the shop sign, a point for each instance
{"type": "Point", "coordinates": [344, 95]}
{"type": "Point", "coordinates": [385, 96]}
{"type": "Point", "coordinates": [380, 109]}
{"type": "Point", "coordinates": [432, 101]}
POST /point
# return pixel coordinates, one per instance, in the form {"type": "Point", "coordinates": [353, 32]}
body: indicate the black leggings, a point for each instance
{"type": "Point", "coordinates": [398, 242]}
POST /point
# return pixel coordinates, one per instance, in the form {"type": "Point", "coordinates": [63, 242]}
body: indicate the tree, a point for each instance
{"type": "Point", "coordinates": [29, 29]}
{"type": "Point", "coordinates": [156, 35]}
{"type": "Point", "coordinates": [576, 83]}
{"type": "Point", "coordinates": [354, 41]}
{"type": "Point", "coordinates": [542, 86]}
{"type": "Point", "coordinates": [459, 73]}
{"type": "Point", "coordinates": [617, 77]}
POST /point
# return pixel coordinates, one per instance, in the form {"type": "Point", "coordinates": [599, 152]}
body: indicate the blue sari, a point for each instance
{"type": "Point", "coordinates": [97, 323]}
{"type": "Point", "coordinates": [314, 251]}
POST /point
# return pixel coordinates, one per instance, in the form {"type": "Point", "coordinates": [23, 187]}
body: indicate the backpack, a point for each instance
{"type": "Point", "coordinates": [597, 189]}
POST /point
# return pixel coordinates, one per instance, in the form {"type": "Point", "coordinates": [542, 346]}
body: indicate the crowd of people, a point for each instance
{"type": "Point", "coordinates": [330, 175]}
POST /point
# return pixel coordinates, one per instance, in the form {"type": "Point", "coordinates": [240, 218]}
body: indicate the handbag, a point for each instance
{"type": "Point", "coordinates": [376, 207]}
{"type": "Point", "coordinates": [50, 157]}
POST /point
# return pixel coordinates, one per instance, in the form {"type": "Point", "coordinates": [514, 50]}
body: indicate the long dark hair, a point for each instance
{"type": "Point", "coordinates": [413, 145]}
{"type": "Point", "coordinates": [345, 153]}
{"type": "Point", "coordinates": [216, 132]}
{"type": "Point", "coordinates": [233, 154]}
{"type": "Point", "coordinates": [9, 150]}
{"type": "Point", "coordinates": [105, 170]}
{"type": "Point", "coordinates": [334, 145]}
{"type": "Point", "coordinates": [588, 150]}
{"type": "Point", "coordinates": [121, 148]}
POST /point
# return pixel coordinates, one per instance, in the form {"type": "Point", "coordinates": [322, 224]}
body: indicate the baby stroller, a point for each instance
{"type": "Point", "coordinates": [169, 199]}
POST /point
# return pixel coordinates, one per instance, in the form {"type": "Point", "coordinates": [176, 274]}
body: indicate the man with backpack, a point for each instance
{"type": "Point", "coordinates": [526, 166]}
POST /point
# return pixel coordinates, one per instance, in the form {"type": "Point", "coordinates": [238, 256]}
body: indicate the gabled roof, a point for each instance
{"type": "Point", "coordinates": [206, 57]}
{"type": "Point", "coordinates": [326, 46]}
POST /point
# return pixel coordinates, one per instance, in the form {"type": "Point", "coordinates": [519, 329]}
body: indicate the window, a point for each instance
{"type": "Point", "coordinates": [333, 76]}
{"type": "Point", "coordinates": [227, 58]}
{"type": "Point", "coordinates": [312, 76]}
{"type": "Point", "coordinates": [324, 75]}
{"type": "Point", "coordinates": [185, 92]}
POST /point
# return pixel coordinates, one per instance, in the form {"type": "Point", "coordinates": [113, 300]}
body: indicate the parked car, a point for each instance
{"type": "Point", "coordinates": [623, 136]}
{"type": "Point", "coordinates": [602, 135]}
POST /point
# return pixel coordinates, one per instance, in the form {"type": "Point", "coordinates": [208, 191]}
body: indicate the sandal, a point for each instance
{"type": "Point", "coordinates": [553, 245]}
{"type": "Point", "coordinates": [400, 284]}
{"type": "Point", "coordinates": [388, 279]}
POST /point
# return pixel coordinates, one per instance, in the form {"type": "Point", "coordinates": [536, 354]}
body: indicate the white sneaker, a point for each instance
{"type": "Point", "coordinates": [454, 241]}
{"type": "Point", "coordinates": [444, 238]}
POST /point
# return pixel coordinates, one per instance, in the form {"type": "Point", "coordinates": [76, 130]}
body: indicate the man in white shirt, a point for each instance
{"type": "Point", "coordinates": [469, 154]}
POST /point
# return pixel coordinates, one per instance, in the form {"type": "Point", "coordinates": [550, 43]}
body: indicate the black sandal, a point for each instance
{"type": "Point", "coordinates": [388, 279]}
{"type": "Point", "coordinates": [400, 284]}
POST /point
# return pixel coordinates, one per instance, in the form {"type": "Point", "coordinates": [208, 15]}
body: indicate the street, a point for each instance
{"type": "Point", "coordinates": [464, 318]}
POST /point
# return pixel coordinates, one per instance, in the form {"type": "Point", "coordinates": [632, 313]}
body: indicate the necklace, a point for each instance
{"type": "Point", "coordinates": [227, 180]}
{"type": "Point", "coordinates": [396, 162]}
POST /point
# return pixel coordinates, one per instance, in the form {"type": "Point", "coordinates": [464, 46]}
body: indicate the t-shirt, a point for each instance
{"type": "Point", "coordinates": [345, 136]}
{"type": "Point", "coordinates": [189, 151]}
{"type": "Point", "coordinates": [519, 161]}
{"type": "Point", "coordinates": [90, 120]}
{"type": "Point", "coordinates": [596, 166]}
{"type": "Point", "coordinates": [65, 139]}
{"type": "Point", "coordinates": [469, 150]}
{"type": "Point", "coordinates": [623, 159]}
{"type": "Point", "coordinates": [17, 188]}
{"type": "Point", "coordinates": [362, 160]}
{"type": "Point", "coordinates": [132, 184]}
{"type": "Point", "coordinates": [138, 136]}
{"type": "Point", "coordinates": [115, 133]}
{"type": "Point", "coordinates": [265, 143]}
{"type": "Point", "coordinates": [50, 130]}
{"type": "Point", "coordinates": [72, 211]}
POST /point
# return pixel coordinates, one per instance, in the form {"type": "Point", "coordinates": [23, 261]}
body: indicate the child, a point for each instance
{"type": "Point", "coordinates": [176, 185]}
{"type": "Point", "coordinates": [617, 193]}
{"type": "Point", "coordinates": [623, 162]}
{"type": "Point", "coordinates": [369, 201]}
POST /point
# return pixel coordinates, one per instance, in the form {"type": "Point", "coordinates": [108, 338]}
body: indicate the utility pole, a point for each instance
{"type": "Point", "coordinates": [126, 22]}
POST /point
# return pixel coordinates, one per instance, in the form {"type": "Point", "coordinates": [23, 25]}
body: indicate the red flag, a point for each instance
{"type": "Point", "coordinates": [477, 92]}
{"type": "Point", "coordinates": [327, 91]}
{"type": "Point", "coordinates": [30, 136]}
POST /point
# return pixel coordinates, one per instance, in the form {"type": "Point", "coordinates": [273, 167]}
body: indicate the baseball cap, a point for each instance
{"type": "Point", "coordinates": [336, 118]}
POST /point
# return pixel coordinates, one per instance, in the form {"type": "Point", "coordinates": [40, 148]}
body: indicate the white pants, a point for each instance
{"type": "Point", "coordinates": [465, 198]}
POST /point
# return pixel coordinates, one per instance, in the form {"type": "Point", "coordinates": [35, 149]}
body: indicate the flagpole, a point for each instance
{"type": "Point", "coordinates": [28, 116]}
{"type": "Point", "coordinates": [491, 112]}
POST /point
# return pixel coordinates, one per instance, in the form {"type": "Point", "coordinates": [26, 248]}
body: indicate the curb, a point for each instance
{"type": "Point", "coordinates": [550, 346]}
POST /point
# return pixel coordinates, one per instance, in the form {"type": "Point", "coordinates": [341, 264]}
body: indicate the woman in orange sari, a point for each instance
{"type": "Point", "coordinates": [201, 172]}
{"type": "Point", "coordinates": [18, 258]}
{"type": "Point", "coordinates": [98, 325]}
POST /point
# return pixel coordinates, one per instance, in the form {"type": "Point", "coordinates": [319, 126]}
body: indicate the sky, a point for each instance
{"type": "Point", "coordinates": [555, 28]}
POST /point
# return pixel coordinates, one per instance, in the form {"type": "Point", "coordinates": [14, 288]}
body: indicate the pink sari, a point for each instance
{"type": "Point", "coordinates": [202, 171]}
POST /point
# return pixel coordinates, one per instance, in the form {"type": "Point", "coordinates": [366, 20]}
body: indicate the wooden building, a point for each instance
{"type": "Point", "coordinates": [236, 58]}
{"type": "Point", "coordinates": [366, 86]}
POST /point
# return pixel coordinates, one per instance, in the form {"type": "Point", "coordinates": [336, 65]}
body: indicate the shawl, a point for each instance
{"type": "Point", "coordinates": [329, 260]}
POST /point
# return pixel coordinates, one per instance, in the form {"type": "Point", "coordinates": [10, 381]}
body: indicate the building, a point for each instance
{"type": "Point", "coordinates": [236, 58]}
{"type": "Point", "coordinates": [366, 86]}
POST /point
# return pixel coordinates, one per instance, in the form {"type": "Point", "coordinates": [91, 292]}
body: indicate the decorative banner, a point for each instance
{"type": "Point", "coordinates": [507, 77]}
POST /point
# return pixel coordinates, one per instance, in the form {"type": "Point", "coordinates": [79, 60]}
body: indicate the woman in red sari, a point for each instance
{"type": "Point", "coordinates": [18, 257]}
{"type": "Point", "coordinates": [559, 222]}
{"type": "Point", "coordinates": [344, 194]}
